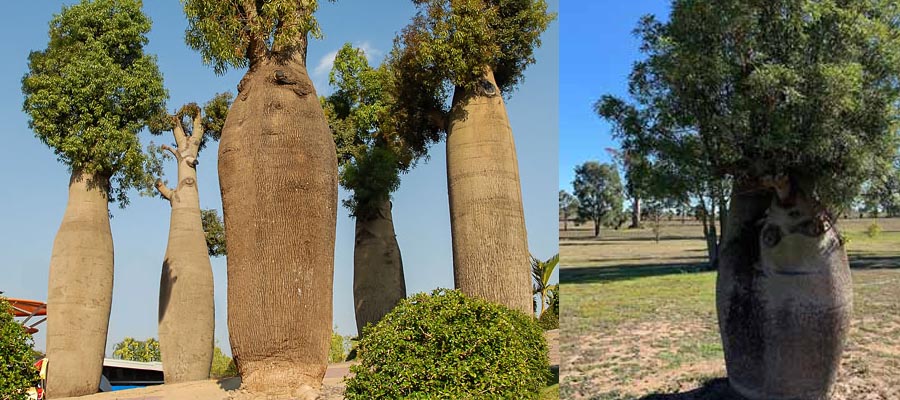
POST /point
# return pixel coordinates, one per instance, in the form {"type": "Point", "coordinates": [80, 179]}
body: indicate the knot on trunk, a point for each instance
{"type": "Point", "coordinates": [486, 88]}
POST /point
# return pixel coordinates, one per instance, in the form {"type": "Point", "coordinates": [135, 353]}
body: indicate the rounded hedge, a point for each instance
{"type": "Point", "coordinates": [449, 346]}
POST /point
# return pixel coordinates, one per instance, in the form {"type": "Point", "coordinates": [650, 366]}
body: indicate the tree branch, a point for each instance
{"type": "Point", "coordinates": [164, 190]}
{"type": "Point", "coordinates": [171, 150]}
{"type": "Point", "coordinates": [256, 48]}
{"type": "Point", "coordinates": [178, 131]}
{"type": "Point", "coordinates": [196, 134]}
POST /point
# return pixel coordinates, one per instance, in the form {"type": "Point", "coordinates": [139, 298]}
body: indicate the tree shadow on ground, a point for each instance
{"type": "Point", "coordinates": [594, 241]}
{"type": "Point", "coordinates": [714, 389]}
{"type": "Point", "coordinates": [583, 275]}
{"type": "Point", "coordinates": [624, 272]}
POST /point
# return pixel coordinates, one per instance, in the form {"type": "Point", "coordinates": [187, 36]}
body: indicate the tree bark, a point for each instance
{"type": "Point", "coordinates": [278, 176]}
{"type": "Point", "coordinates": [635, 213]}
{"type": "Point", "coordinates": [378, 281]}
{"type": "Point", "coordinates": [487, 221]}
{"type": "Point", "coordinates": [80, 290]}
{"type": "Point", "coordinates": [596, 228]}
{"type": "Point", "coordinates": [783, 297]}
{"type": "Point", "coordinates": [186, 299]}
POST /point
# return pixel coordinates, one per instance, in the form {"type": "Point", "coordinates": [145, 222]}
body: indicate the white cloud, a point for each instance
{"type": "Point", "coordinates": [327, 61]}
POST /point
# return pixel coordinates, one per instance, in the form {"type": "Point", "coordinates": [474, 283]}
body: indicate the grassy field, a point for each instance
{"type": "Point", "coordinates": [638, 317]}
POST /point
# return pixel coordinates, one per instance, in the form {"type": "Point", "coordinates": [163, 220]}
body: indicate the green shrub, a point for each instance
{"type": "Point", "coordinates": [449, 346]}
{"type": "Point", "coordinates": [17, 371]}
{"type": "Point", "coordinates": [873, 231]}
{"type": "Point", "coordinates": [338, 350]}
{"type": "Point", "coordinates": [222, 365]}
{"type": "Point", "coordinates": [549, 320]}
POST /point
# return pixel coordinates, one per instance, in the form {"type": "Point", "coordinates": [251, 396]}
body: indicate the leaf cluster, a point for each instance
{"type": "Point", "coordinates": [449, 346]}
{"type": "Point", "coordinates": [214, 230]}
{"type": "Point", "coordinates": [130, 349]}
{"type": "Point", "coordinates": [231, 34]}
{"type": "Point", "coordinates": [17, 371]}
{"type": "Point", "coordinates": [93, 88]}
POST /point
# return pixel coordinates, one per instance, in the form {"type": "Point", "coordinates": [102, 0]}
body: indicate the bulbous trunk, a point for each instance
{"type": "Point", "coordinates": [783, 297]}
{"type": "Point", "coordinates": [378, 282]}
{"type": "Point", "coordinates": [80, 291]}
{"type": "Point", "coordinates": [490, 247]}
{"type": "Point", "coordinates": [186, 299]}
{"type": "Point", "coordinates": [278, 176]}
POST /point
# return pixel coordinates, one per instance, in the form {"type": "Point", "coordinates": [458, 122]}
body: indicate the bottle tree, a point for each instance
{"type": "Point", "coordinates": [795, 103]}
{"type": "Point", "coordinates": [88, 94]}
{"type": "Point", "coordinates": [480, 49]}
{"type": "Point", "coordinates": [278, 177]}
{"type": "Point", "coordinates": [186, 298]}
{"type": "Point", "coordinates": [371, 162]}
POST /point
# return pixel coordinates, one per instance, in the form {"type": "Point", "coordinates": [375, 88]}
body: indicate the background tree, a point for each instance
{"type": "Point", "coordinates": [186, 296]}
{"type": "Point", "coordinates": [371, 159]}
{"type": "Point", "coordinates": [17, 372]}
{"type": "Point", "coordinates": [214, 230]}
{"type": "Point", "coordinates": [480, 48]}
{"type": "Point", "coordinates": [130, 349]}
{"type": "Point", "coordinates": [599, 192]}
{"type": "Point", "coordinates": [222, 365]}
{"type": "Point", "coordinates": [93, 129]}
{"type": "Point", "coordinates": [278, 176]}
{"type": "Point", "coordinates": [568, 206]}
{"type": "Point", "coordinates": [541, 271]}
{"type": "Point", "coordinates": [792, 104]}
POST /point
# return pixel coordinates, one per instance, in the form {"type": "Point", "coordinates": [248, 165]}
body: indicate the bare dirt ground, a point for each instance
{"type": "Point", "coordinates": [638, 318]}
{"type": "Point", "coordinates": [228, 389]}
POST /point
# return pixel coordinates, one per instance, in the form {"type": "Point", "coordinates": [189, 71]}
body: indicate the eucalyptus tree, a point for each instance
{"type": "Point", "coordinates": [794, 102]}
{"type": "Point", "coordinates": [88, 94]}
{"type": "Point", "coordinates": [186, 297]}
{"type": "Point", "coordinates": [568, 206]}
{"type": "Point", "coordinates": [278, 177]}
{"type": "Point", "coordinates": [480, 49]}
{"type": "Point", "coordinates": [371, 159]}
{"type": "Point", "coordinates": [599, 192]}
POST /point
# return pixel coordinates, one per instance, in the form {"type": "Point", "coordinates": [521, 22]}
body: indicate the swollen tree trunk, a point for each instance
{"type": "Point", "coordinates": [378, 282]}
{"type": "Point", "coordinates": [783, 297]}
{"type": "Point", "coordinates": [278, 176]}
{"type": "Point", "coordinates": [487, 221]}
{"type": "Point", "coordinates": [635, 213]}
{"type": "Point", "coordinates": [186, 299]}
{"type": "Point", "coordinates": [80, 291]}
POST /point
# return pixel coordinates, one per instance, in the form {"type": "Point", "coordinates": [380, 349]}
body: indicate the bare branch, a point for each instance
{"type": "Point", "coordinates": [178, 131]}
{"type": "Point", "coordinates": [164, 190]}
{"type": "Point", "coordinates": [171, 150]}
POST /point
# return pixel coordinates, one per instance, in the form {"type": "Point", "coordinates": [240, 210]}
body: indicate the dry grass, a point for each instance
{"type": "Point", "coordinates": [638, 318]}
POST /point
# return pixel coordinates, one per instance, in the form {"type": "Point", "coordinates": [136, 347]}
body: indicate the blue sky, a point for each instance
{"type": "Point", "coordinates": [34, 185]}
{"type": "Point", "coordinates": [597, 50]}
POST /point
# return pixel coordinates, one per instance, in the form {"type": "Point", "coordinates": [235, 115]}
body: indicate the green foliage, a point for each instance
{"type": "Point", "coordinates": [599, 192]}
{"type": "Point", "coordinates": [227, 32]}
{"type": "Point", "coordinates": [371, 158]}
{"type": "Point", "coordinates": [449, 346]}
{"type": "Point", "coordinates": [93, 88]}
{"type": "Point", "coordinates": [211, 117]}
{"type": "Point", "coordinates": [873, 230]}
{"type": "Point", "coordinates": [807, 89]}
{"type": "Point", "coordinates": [549, 319]}
{"type": "Point", "coordinates": [17, 372]}
{"type": "Point", "coordinates": [222, 365]}
{"type": "Point", "coordinates": [214, 229]}
{"type": "Point", "coordinates": [458, 39]}
{"type": "Point", "coordinates": [541, 271]}
{"type": "Point", "coordinates": [339, 347]}
{"type": "Point", "coordinates": [568, 204]}
{"type": "Point", "coordinates": [136, 350]}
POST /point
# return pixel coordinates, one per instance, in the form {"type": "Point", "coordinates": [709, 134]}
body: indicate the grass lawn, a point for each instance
{"type": "Point", "coordinates": [638, 317]}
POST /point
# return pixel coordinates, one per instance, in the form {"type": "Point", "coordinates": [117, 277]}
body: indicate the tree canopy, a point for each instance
{"type": "Point", "coordinates": [371, 156]}
{"type": "Point", "coordinates": [236, 33]}
{"type": "Point", "coordinates": [93, 88]}
{"type": "Point", "coordinates": [135, 350]}
{"type": "Point", "coordinates": [599, 192]}
{"type": "Point", "coordinates": [457, 40]}
{"type": "Point", "coordinates": [806, 89]}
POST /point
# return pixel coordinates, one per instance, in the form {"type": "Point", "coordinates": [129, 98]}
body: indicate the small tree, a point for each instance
{"type": "Point", "coordinates": [222, 365]}
{"type": "Point", "coordinates": [599, 193]}
{"type": "Point", "coordinates": [568, 206]}
{"type": "Point", "coordinates": [17, 372]}
{"type": "Point", "coordinates": [540, 278]}
{"type": "Point", "coordinates": [130, 349]}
